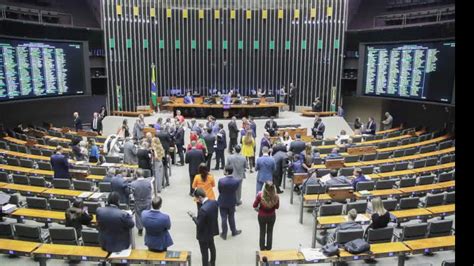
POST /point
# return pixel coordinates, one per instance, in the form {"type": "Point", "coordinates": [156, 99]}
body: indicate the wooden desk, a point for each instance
{"type": "Point", "coordinates": [434, 168]}
{"type": "Point", "coordinates": [431, 244]}
{"type": "Point", "coordinates": [292, 132]}
{"type": "Point", "coordinates": [132, 113]}
{"type": "Point", "coordinates": [310, 113]}
{"type": "Point", "coordinates": [281, 257]}
{"type": "Point", "coordinates": [17, 247]}
{"type": "Point", "coordinates": [138, 256]}
{"type": "Point", "coordinates": [431, 141]}
{"type": "Point", "coordinates": [23, 188]}
{"type": "Point", "coordinates": [442, 210]}
{"type": "Point", "coordinates": [62, 193]}
{"type": "Point", "coordinates": [405, 215]}
{"type": "Point", "coordinates": [419, 189]}
{"type": "Point", "coordinates": [393, 174]}
{"type": "Point", "coordinates": [310, 200]}
{"type": "Point", "coordinates": [380, 250]}
{"type": "Point", "coordinates": [22, 142]}
{"type": "Point", "coordinates": [218, 111]}
{"type": "Point", "coordinates": [334, 220]}
{"type": "Point", "coordinates": [2, 184]}
{"type": "Point", "coordinates": [447, 185]}
{"type": "Point", "coordinates": [381, 132]}
{"type": "Point", "coordinates": [69, 252]}
{"type": "Point", "coordinates": [18, 169]}
{"type": "Point", "coordinates": [379, 193]}
{"type": "Point", "coordinates": [44, 216]}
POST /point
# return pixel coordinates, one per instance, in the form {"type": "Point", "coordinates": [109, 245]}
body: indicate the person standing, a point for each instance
{"type": "Point", "coordinates": [158, 153]}
{"type": "Point", "coordinates": [248, 149]}
{"type": "Point", "coordinates": [179, 141]}
{"type": "Point", "coordinates": [297, 146]}
{"type": "Point", "coordinates": [138, 128]}
{"type": "Point", "coordinates": [210, 140]}
{"type": "Point", "coordinates": [121, 186]}
{"type": "Point", "coordinates": [206, 226]}
{"type": "Point", "coordinates": [60, 164]}
{"type": "Point", "coordinates": [316, 106]}
{"type": "Point", "coordinates": [388, 122]}
{"type": "Point", "coordinates": [371, 127]}
{"type": "Point", "coordinates": [265, 204]}
{"type": "Point", "coordinates": [114, 225]}
{"type": "Point", "coordinates": [144, 157]}
{"type": "Point", "coordinates": [77, 121]}
{"type": "Point", "coordinates": [97, 123]}
{"type": "Point", "coordinates": [318, 129]}
{"type": "Point", "coordinates": [221, 145]}
{"type": "Point", "coordinates": [265, 142]}
{"type": "Point", "coordinates": [238, 164]}
{"type": "Point", "coordinates": [227, 201]}
{"type": "Point", "coordinates": [123, 131]}
{"type": "Point", "coordinates": [292, 97]}
{"type": "Point", "coordinates": [141, 188]}
{"type": "Point", "coordinates": [157, 225]}
{"type": "Point", "coordinates": [253, 126]}
{"type": "Point", "coordinates": [129, 152]}
{"type": "Point", "coordinates": [94, 152]}
{"type": "Point", "coordinates": [204, 181]}
{"type": "Point", "coordinates": [282, 95]}
{"type": "Point", "coordinates": [265, 167]}
{"type": "Point", "coordinates": [281, 161]}
{"type": "Point", "coordinates": [233, 134]}
{"type": "Point", "coordinates": [194, 157]}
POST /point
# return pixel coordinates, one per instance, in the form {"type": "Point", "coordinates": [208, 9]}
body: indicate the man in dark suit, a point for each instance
{"type": "Point", "coordinates": [281, 160]}
{"type": "Point", "coordinates": [271, 127]}
{"type": "Point", "coordinates": [318, 129]}
{"type": "Point", "coordinates": [371, 127]}
{"type": "Point", "coordinates": [233, 134]}
{"type": "Point", "coordinates": [114, 225]}
{"type": "Point", "coordinates": [210, 140]}
{"type": "Point", "coordinates": [316, 106]}
{"type": "Point", "coordinates": [166, 141]}
{"type": "Point", "coordinates": [227, 201]}
{"type": "Point", "coordinates": [297, 146]}
{"type": "Point", "coordinates": [206, 226]}
{"type": "Point", "coordinates": [60, 164]}
{"type": "Point", "coordinates": [120, 185]}
{"type": "Point", "coordinates": [157, 226]}
{"type": "Point", "coordinates": [97, 123]}
{"type": "Point", "coordinates": [179, 141]}
{"type": "Point", "coordinates": [292, 97]}
{"type": "Point", "coordinates": [77, 121]}
{"type": "Point", "coordinates": [194, 157]}
{"type": "Point", "coordinates": [221, 145]}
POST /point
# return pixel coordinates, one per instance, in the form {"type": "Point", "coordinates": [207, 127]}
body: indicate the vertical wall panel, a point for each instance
{"type": "Point", "coordinates": [204, 52]}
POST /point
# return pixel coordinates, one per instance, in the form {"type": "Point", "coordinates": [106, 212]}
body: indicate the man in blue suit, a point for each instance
{"type": "Point", "coordinates": [121, 186]}
{"type": "Point", "coordinates": [114, 225]}
{"type": "Point", "coordinates": [227, 201]}
{"type": "Point", "coordinates": [157, 226]}
{"type": "Point", "coordinates": [206, 226]}
{"type": "Point", "coordinates": [265, 167]}
{"type": "Point", "coordinates": [60, 164]}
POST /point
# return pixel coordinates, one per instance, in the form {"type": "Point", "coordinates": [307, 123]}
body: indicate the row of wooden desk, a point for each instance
{"type": "Point", "coordinates": [42, 216]}
{"type": "Point", "coordinates": [311, 200]}
{"type": "Point", "coordinates": [82, 253]}
{"type": "Point", "coordinates": [47, 159]}
{"type": "Point", "coordinates": [49, 192]}
{"type": "Point", "coordinates": [393, 160]}
{"type": "Point", "coordinates": [382, 250]}
{"type": "Point", "coordinates": [32, 171]}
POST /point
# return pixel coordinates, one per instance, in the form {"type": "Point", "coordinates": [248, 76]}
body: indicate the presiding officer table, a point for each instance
{"type": "Point", "coordinates": [218, 110]}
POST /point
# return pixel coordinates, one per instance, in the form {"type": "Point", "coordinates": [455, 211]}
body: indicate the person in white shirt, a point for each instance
{"type": "Point", "coordinates": [341, 138]}
{"type": "Point", "coordinates": [286, 139]}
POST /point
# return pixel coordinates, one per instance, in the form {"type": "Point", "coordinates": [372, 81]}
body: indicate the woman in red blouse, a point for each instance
{"type": "Point", "coordinates": [266, 203]}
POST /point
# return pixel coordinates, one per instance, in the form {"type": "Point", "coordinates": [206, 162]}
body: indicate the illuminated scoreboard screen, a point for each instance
{"type": "Point", "coordinates": [422, 71]}
{"type": "Point", "coordinates": [36, 69]}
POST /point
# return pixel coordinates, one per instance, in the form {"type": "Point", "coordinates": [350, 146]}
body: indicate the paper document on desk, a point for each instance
{"type": "Point", "coordinates": [325, 178]}
{"type": "Point", "coordinates": [311, 254]}
{"type": "Point", "coordinates": [97, 195]}
{"type": "Point", "coordinates": [361, 218]}
{"type": "Point", "coordinates": [8, 208]}
{"type": "Point", "coordinates": [122, 254]}
{"type": "Point", "coordinates": [108, 164]}
{"type": "Point", "coordinates": [368, 177]}
{"type": "Point", "coordinates": [365, 193]}
{"type": "Point", "coordinates": [85, 195]}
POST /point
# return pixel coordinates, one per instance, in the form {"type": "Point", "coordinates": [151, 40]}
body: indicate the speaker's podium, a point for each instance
{"type": "Point", "coordinates": [341, 194]}
{"type": "Point", "coordinates": [334, 163]}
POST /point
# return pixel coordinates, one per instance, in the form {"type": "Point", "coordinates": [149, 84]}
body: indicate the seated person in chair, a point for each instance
{"type": "Point", "coordinates": [351, 224]}
{"type": "Point", "coordinates": [334, 154]}
{"type": "Point", "coordinates": [188, 99]}
{"type": "Point", "coordinates": [336, 180]}
{"type": "Point", "coordinates": [358, 177]}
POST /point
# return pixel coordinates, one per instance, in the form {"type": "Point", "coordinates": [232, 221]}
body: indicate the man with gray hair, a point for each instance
{"type": "Point", "coordinates": [111, 172]}
{"type": "Point", "coordinates": [141, 189]}
{"type": "Point", "coordinates": [388, 122]}
{"type": "Point", "coordinates": [238, 163]}
{"type": "Point", "coordinates": [265, 167]}
{"type": "Point", "coordinates": [129, 152]}
{"type": "Point", "coordinates": [351, 224]}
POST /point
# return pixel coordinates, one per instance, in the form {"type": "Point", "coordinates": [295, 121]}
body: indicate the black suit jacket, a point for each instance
{"type": "Point", "coordinates": [144, 160]}
{"type": "Point", "coordinates": [165, 139]}
{"type": "Point", "coordinates": [210, 139]}
{"type": "Point", "coordinates": [78, 124]}
{"type": "Point", "coordinates": [99, 124]}
{"type": "Point", "coordinates": [233, 130]}
{"type": "Point", "coordinates": [371, 129]}
{"type": "Point", "coordinates": [278, 147]}
{"type": "Point", "coordinates": [206, 221]}
{"type": "Point", "coordinates": [179, 136]}
{"type": "Point", "coordinates": [194, 158]}
{"type": "Point", "coordinates": [317, 107]}
{"type": "Point", "coordinates": [273, 128]}
{"type": "Point", "coordinates": [297, 146]}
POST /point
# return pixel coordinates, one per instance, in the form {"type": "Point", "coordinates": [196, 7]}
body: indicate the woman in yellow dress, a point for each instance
{"type": "Point", "coordinates": [248, 149]}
